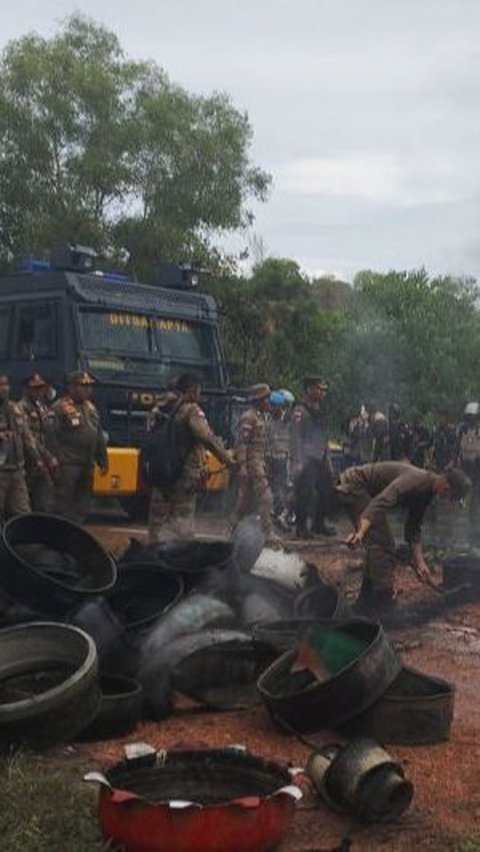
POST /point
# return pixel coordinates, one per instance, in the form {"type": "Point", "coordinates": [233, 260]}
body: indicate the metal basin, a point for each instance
{"type": "Point", "coordinates": [301, 702]}
{"type": "Point", "coordinates": [417, 709]}
{"type": "Point", "coordinates": [222, 800]}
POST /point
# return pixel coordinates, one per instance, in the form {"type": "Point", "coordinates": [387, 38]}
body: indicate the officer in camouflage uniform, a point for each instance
{"type": "Point", "coordinates": [251, 454]}
{"type": "Point", "coordinates": [172, 510]}
{"type": "Point", "coordinates": [77, 442]}
{"type": "Point", "coordinates": [16, 445]}
{"type": "Point", "coordinates": [37, 415]}
{"type": "Point", "coordinates": [368, 493]}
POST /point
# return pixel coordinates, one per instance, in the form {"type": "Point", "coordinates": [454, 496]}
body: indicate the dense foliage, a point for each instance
{"type": "Point", "coordinates": [101, 150]}
{"type": "Point", "coordinates": [399, 337]}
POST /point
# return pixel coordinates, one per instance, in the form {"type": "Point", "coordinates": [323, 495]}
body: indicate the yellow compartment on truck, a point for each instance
{"type": "Point", "coordinates": [122, 476]}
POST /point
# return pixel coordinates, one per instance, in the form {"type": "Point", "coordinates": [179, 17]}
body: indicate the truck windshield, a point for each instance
{"type": "Point", "coordinates": [123, 347]}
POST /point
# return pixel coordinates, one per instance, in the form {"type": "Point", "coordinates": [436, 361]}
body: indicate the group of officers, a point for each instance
{"type": "Point", "coordinates": [48, 449]}
{"type": "Point", "coordinates": [277, 440]}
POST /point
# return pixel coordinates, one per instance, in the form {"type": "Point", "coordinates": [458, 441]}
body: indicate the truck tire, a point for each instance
{"type": "Point", "coordinates": [49, 688]}
{"type": "Point", "coordinates": [119, 711]}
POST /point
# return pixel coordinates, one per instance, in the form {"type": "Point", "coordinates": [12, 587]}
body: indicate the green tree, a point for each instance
{"type": "Point", "coordinates": [412, 339]}
{"type": "Point", "coordinates": [273, 328]}
{"type": "Point", "coordinates": [97, 148]}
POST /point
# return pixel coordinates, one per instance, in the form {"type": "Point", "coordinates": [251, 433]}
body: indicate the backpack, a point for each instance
{"type": "Point", "coordinates": [164, 453]}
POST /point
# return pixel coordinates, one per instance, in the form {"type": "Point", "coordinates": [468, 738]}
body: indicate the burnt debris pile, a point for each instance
{"type": "Point", "coordinates": [174, 618]}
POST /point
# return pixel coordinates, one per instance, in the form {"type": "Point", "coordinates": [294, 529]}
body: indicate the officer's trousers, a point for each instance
{"type": "Point", "coordinates": [171, 514]}
{"type": "Point", "coordinates": [73, 491]}
{"type": "Point", "coordinates": [253, 489]}
{"type": "Point", "coordinates": [13, 494]}
{"type": "Point", "coordinates": [378, 572]}
{"type": "Point", "coordinates": [41, 491]}
{"type": "Point", "coordinates": [313, 495]}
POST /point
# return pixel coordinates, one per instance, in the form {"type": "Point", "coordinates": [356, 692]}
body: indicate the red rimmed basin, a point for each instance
{"type": "Point", "coordinates": [204, 800]}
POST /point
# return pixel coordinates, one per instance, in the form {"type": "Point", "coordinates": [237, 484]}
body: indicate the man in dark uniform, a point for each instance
{"type": "Point", "coordinates": [77, 442]}
{"type": "Point", "coordinates": [311, 465]}
{"type": "Point", "coordinates": [419, 440]}
{"type": "Point", "coordinates": [37, 415]}
{"type": "Point", "coordinates": [368, 493]}
{"type": "Point", "coordinates": [398, 436]}
{"type": "Point", "coordinates": [16, 445]}
{"type": "Point", "coordinates": [445, 442]}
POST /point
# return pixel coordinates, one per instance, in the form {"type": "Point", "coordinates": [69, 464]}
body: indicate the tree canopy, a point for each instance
{"type": "Point", "coordinates": [99, 149]}
{"type": "Point", "coordinates": [399, 337]}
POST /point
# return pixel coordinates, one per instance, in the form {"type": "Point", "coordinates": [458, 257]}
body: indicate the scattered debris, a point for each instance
{"type": "Point", "coordinates": [361, 778]}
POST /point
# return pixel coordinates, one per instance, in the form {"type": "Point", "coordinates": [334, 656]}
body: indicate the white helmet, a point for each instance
{"type": "Point", "coordinates": [288, 396]}
{"type": "Point", "coordinates": [472, 408]}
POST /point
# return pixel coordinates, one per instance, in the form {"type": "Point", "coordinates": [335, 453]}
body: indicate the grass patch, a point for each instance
{"type": "Point", "coordinates": [45, 806]}
{"type": "Point", "coordinates": [469, 844]}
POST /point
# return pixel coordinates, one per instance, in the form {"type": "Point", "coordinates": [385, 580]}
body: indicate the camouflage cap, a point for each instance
{"type": "Point", "coordinates": [80, 377]}
{"type": "Point", "coordinates": [35, 381]}
{"type": "Point", "coordinates": [258, 392]}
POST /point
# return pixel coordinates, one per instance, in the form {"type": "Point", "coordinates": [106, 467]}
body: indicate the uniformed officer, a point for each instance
{"type": "Point", "coordinates": [278, 453]}
{"type": "Point", "coordinates": [368, 493]}
{"type": "Point", "coordinates": [251, 454]}
{"type": "Point", "coordinates": [311, 464]}
{"type": "Point", "coordinates": [16, 445]}
{"type": "Point", "coordinates": [172, 509]}
{"type": "Point", "coordinates": [37, 415]}
{"type": "Point", "coordinates": [78, 442]}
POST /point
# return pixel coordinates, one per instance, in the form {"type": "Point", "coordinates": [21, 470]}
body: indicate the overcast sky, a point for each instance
{"type": "Point", "coordinates": [365, 112]}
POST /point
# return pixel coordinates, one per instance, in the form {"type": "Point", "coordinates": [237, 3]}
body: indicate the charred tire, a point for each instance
{"type": "Point", "coordinates": [194, 560]}
{"type": "Point", "coordinates": [302, 703]}
{"type": "Point", "coordinates": [49, 687]}
{"type": "Point", "coordinates": [283, 635]}
{"type": "Point", "coordinates": [55, 595]}
{"type": "Point", "coordinates": [143, 594]}
{"type": "Point", "coordinates": [119, 711]}
{"type": "Point", "coordinates": [320, 600]}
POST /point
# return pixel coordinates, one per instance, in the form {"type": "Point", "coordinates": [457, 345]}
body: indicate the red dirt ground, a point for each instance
{"type": "Point", "coordinates": [446, 777]}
